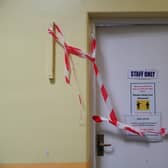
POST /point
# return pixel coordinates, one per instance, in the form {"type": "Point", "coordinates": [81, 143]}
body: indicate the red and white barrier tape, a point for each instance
{"type": "Point", "coordinates": [78, 93]}
{"type": "Point", "coordinates": [70, 50]}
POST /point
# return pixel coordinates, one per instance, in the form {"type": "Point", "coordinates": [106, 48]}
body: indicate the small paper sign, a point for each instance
{"type": "Point", "coordinates": [149, 124]}
{"type": "Point", "coordinates": [142, 97]}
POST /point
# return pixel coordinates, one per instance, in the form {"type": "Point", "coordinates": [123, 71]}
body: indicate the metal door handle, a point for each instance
{"type": "Point", "coordinates": [104, 145]}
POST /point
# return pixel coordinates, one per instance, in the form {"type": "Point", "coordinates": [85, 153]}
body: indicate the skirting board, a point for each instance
{"type": "Point", "coordinates": [45, 165]}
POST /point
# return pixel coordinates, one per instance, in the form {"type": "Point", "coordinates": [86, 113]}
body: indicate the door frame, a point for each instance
{"type": "Point", "coordinates": [103, 19]}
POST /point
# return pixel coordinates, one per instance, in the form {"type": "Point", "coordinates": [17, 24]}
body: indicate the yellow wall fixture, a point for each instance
{"type": "Point", "coordinates": [53, 59]}
{"type": "Point", "coordinates": [39, 122]}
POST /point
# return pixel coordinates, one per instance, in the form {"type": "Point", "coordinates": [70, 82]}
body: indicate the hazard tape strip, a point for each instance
{"type": "Point", "coordinates": [69, 50]}
{"type": "Point", "coordinates": [78, 93]}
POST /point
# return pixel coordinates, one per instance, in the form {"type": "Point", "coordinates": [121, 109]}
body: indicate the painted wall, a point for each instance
{"type": "Point", "coordinates": [39, 122]}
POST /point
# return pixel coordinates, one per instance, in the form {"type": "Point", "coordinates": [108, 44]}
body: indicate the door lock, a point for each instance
{"type": "Point", "coordinates": [100, 144]}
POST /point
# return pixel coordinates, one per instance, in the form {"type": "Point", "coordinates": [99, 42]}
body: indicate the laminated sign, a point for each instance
{"type": "Point", "coordinates": [142, 98]}
{"type": "Point", "coordinates": [143, 111]}
{"type": "Point", "coordinates": [149, 124]}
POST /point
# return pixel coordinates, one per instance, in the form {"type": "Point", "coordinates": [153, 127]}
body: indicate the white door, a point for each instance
{"type": "Point", "coordinates": [120, 49]}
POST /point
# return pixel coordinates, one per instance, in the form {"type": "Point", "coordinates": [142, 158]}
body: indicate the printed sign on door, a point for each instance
{"type": "Point", "coordinates": [142, 97]}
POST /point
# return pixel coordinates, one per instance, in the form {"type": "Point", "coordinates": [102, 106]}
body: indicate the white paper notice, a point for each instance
{"type": "Point", "coordinates": [142, 98]}
{"type": "Point", "coordinates": [149, 124]}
